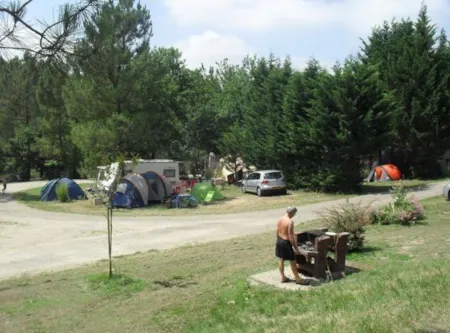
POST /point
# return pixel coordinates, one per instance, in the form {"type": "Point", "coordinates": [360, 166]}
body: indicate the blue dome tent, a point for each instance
{"type": "Point", "coordinates": [48, 192]}
{"type": "Point", "coordinates": [132, 192]}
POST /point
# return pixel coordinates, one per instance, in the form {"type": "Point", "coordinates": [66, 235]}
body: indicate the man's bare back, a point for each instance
{"type": "Point", "coordinates": [285, 227]}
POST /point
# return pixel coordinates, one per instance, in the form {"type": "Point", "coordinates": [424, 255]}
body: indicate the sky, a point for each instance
{"type": "Point", "coordinates": [207, 31]}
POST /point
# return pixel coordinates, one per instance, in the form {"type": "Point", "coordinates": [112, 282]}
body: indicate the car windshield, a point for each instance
{"type": "Point", "coordinates": [273, 175]}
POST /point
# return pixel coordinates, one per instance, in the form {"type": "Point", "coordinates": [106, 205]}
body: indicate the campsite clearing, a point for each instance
{"type": "Point", "coordinates": [402, 287]}
{"type": "Point", "coordinates": [234, 202]}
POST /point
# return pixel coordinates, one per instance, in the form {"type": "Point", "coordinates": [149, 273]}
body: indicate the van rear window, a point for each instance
{"type": "Point", "coordinates": [170, 173]}
{"type": "Point", "coordinates": [273, 175]}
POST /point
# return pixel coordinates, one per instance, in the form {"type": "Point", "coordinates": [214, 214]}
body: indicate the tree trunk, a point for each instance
{"type": "Point", "coordinates": [109, 222]}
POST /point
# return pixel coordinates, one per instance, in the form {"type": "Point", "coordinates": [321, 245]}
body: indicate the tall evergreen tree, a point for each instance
{"type": "Point", "coordinates": [104, 84]}
{"type": "Point", "coordinates": [263, 110]}
{"type": "Point", "coordinates": [56, 147]}
{"type": "Point", "coordinates": [19, 115]}
{"type": "Point", "coordinates": [297, 99]}
{"type": "Point", "coordinates": [413, 65]}
{"type": "Point", "coordinates": [348, 118]}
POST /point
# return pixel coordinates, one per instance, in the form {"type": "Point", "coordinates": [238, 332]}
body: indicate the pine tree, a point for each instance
{"type": "Point", "coordinates": [263, 110]}
{"type": "Point", "coordinates": [414, 66]}
{"type": "Point", "coordinates": [297, 99]}
{"type": "Point", "coordinates": [347, 120]}
{"type": "Point", "coordinates": [19, 115]}
{"type": "Point", "coordinates": [56, 147]}
{"type": "Point", "coordinates": [105, 84]}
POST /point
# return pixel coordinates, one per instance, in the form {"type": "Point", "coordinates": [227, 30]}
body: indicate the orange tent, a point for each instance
{"type": "Point", "coordinates": [384, 172]}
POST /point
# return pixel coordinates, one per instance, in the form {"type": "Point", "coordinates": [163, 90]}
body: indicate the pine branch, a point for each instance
{"type": "Point", "coordinates": [55, 40]}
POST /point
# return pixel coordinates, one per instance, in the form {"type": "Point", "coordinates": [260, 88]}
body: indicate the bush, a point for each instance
{"type": "Point", "coordinates": [402, 210]}
{"type": "Point", "coordinates": [209, 173]}
{"type": "Point", "coordinates": [62, 193]}
{"type": "Point", "coordinates": [351, 218]}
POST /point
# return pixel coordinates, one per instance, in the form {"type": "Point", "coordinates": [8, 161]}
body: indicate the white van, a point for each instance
{"type": "Point", "coordinates": [170, 169]}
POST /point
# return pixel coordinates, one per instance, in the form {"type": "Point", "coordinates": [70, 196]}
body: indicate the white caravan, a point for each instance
{"type": "Point", "coordinates": [170, 169]}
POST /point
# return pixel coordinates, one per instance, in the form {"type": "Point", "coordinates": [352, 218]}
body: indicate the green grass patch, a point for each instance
{"type": "Point", "coordinates": [412, 185]}
{"type": "Point", "coordinates": [402, 285]}
{"type": "Point", "coordinates": [383, 300]}
{"type": "Point", "coordinates": [29, 196]}
{"type": "Point", "coordinates": [116, 285]}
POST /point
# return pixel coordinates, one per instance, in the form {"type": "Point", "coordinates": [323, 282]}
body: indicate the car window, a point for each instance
{"type": "Point", "coordinates": [256, 176]}
{"type": "Point", "coordinates": [273, 175]}
{"type": "Point", "coordinates": [253, 176]}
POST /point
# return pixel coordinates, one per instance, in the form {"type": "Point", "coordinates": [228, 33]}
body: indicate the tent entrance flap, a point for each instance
{"type": "Point", "coordinates": [128, 196]}
{"type": "Point", "coordinates": [141, 185]}
{"type": "Point", "coordinates": [158, 186]}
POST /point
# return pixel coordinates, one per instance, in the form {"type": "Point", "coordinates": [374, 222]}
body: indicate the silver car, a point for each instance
{"type": "Point", "coordinates": [446, 191]}
{"type": "Point", "coordinates": [265, 181]}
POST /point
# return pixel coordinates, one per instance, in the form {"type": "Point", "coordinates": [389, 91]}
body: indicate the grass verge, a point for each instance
{"type": "Point", "coordinates": [383, 187]}
{"type": "Point", "coordinates": [403, 286]}
{"type": "Point", "coordinates": [117, 284]}
{"type": "Point", "coordinates": [234, 202]}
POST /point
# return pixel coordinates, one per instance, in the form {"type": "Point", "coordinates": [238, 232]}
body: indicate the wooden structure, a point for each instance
{"type": "Point", "coordinates": [314, 259]}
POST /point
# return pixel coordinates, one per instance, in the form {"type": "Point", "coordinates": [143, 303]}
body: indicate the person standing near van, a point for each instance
{"type": "Point", "coordinates": [5, 183]}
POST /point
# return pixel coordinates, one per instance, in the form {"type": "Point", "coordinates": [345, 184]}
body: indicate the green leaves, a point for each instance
{"type": "Point", "coordinates": [105, 102]}
{"type": "Point", "coordinates": [413, 65]}
{"type": "Point", "coordinates": [347, 120]}
{"type": "Point", "coordinates": [320, 127]}
{"type": "Point", "coordinates": [18, 115]}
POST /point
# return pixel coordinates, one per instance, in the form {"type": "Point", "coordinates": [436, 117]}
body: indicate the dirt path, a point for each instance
{"type": "Point", "coordinates": [33, 241]}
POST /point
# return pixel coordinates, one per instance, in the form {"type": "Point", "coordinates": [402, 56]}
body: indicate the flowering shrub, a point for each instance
{"type": "Point", "coordinates": [402, 210]}
{"type": "Point", "coordinates": [351, 218]}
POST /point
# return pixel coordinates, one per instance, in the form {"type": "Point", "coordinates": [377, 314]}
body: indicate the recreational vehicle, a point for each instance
{"type": "Point", "coordinates": [170, 169]}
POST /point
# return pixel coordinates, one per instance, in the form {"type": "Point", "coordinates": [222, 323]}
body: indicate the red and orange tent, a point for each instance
{"type": "Point", "coordinates": [385, 172]}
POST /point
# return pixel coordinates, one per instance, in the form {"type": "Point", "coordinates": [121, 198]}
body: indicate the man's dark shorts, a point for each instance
{"type": "Point", "coordinates": [283, 249]}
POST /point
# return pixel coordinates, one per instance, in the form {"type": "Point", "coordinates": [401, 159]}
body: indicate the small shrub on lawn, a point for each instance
{"type": "Point", "coordinates": [351, 218]}
{"type": "Point", "coordinates": [402, 210]}
{"type": "Point", "coordinates": [62, 193]}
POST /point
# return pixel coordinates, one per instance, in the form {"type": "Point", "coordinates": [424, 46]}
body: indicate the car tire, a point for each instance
{"type": "Point", "coordinates": [259, 192]}
{"type": "Point", "coordinates": [284, 192]}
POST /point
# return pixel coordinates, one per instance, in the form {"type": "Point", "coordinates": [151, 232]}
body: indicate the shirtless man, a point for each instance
{"type": "Point", "coordinates": [286, 245]}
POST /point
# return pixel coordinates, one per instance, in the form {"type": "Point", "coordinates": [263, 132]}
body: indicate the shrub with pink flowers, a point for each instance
{"type": "Point", "coordinates": [351, 217]}
{"type": "Point", "coordinates": [402, 210]}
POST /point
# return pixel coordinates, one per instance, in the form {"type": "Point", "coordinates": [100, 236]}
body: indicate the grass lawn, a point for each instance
{"type": "Point", "coordinates": [234, 202]}
{"type": "Point", "coordinates": [403, 286]}
{"type": "Point", "coordinates": [382, 187]}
